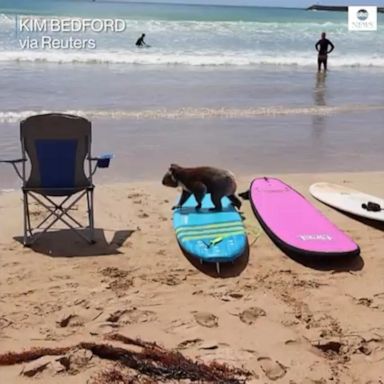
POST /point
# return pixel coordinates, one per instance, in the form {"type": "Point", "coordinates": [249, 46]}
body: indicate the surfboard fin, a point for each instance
{"type": "Point", "coordinates": [244, 195]}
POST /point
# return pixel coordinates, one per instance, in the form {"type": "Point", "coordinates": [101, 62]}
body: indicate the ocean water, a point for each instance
{"type": "Point", "coordinates": [228, 86]}
{"type": "Point", "coordinates": [190, 35]}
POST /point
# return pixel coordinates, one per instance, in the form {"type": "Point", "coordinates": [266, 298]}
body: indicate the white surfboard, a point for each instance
{"type": "Point", "coordinates": [347, 199]}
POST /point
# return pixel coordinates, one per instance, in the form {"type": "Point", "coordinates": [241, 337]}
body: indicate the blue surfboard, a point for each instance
{"type": "Point", "coordinates": [213, 237]}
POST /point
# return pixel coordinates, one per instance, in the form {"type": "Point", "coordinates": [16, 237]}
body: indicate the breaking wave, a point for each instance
{"type": "Point", "coordinates": [195, 113]}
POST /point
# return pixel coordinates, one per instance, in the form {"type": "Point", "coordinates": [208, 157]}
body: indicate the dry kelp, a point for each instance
{"type": "Point", "coordinates": [12, 358]}
{"type": "Point", "coordinates": [117, 376]}
{"type": "Point", "coordinates": [151, 361]}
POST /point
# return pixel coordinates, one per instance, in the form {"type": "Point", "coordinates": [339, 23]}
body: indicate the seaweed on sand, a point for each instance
{"type": "Point", "coordinates": [152, 361]}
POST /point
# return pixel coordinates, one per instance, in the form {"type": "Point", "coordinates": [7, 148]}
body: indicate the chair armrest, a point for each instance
{"type": "Point", "coordinates": [15, 161]}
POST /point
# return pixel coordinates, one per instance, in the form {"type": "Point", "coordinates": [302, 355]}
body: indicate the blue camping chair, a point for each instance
{"type": "Point", "coordinates": [58, 147]}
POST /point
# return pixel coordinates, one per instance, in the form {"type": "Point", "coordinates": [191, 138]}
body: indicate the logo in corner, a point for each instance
{"type": "Point", "coordinates": [362, 18]}
{"type": "Point", "coordinates": [362, 14]}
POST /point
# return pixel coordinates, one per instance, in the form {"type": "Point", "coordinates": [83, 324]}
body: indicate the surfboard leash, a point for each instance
{"type": "Point", "coordinates": [254, 231]}
{"type": "Point", "coordinates": [372, 207]}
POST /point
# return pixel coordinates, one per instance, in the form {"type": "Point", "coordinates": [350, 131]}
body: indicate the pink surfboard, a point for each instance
{"type": "Point", "coordinates": [294, 223]}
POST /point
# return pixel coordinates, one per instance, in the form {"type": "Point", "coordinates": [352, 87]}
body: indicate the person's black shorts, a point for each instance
{"type": "Point", "coordinates": [322, 59]}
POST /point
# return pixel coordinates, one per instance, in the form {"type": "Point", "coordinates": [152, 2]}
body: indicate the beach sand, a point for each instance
{"type": "Point", "coordinates": [285, 321]}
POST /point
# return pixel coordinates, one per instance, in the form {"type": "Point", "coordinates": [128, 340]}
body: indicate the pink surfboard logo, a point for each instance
{"type": "Point", "coordinates": [316, 237]}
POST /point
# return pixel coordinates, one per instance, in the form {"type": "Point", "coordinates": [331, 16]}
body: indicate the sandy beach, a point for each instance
{"type": "Point", "coordinates": [233, 87]}
{"type": "Point", "coordinates": [285, 321]}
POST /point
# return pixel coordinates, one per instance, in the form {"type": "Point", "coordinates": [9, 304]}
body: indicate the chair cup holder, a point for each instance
{"type": "Point", "coordinates": [103, 161]}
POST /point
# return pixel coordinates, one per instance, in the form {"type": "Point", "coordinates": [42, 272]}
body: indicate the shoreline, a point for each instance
{"type": "Point", "coordinates": [372, 179]}
{"type": "Point", "coordinates": [261, 122]}
{"type": "Point", "coordinates": [143, 149]}
{"type": "Point", "coordinates": [242, 179]}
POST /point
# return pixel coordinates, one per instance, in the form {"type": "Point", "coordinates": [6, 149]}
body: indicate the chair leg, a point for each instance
{"type": "Point", "coordinates": [90, 216]}
{"type": "Point", "coordinates": [27, 223]}
{"type": "Point", "coordinates": [57, 212]}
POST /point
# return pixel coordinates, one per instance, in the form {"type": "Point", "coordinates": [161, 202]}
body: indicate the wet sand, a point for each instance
{"type": "Point", "coordinates": [253, 120]}
{"type": "Point", "coordinates": [144, 148]}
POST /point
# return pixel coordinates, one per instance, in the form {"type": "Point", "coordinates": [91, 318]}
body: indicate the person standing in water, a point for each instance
{"type": "Point", "coordinates": [140, 41]}
{"type": "Point", "coordinates": [322, 47]}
